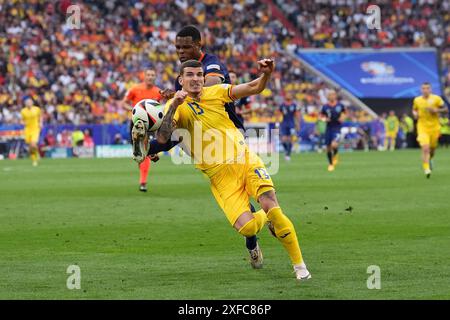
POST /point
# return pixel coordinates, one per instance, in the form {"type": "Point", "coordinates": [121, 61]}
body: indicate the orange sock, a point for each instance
{"type": "Point", "coordinates": [144, 167]}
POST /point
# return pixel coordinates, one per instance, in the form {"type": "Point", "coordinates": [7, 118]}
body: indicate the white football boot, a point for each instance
{"type": "Point", "coordinates": [301, 273]}
{"type": "Point", "coordinates": [138, 135]}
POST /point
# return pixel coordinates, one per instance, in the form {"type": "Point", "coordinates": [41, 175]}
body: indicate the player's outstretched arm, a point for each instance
{"type": "Point", "coordinates": [167, 126]}
{"type": "Point", "coordinates": [266, 66]}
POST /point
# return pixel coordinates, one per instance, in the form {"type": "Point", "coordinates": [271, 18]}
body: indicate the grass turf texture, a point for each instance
{"type": "Point", "coordinates": [174, 242]}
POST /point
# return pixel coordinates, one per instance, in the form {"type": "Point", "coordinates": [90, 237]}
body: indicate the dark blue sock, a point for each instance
{"type": "Point", "coordinates": [250, 242]}
{"type": "Point", "coordinates": [289, 148]}
{"type": "Point", "coordinates": [330, 157]}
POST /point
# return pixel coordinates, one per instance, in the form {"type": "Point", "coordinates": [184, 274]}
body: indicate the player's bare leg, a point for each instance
{"type": "Point", "coordinates": [34, 154]}
{"type": "Point", "coordinates": [283, 229]}
{"type": "Point", "coordinates": [140, 141]}
{"type": "Point", "coordinates": [330, 157]}
{"type": "Point", "coordinates": [432, 152]}
{"type": "Point", "coordinates": [335, 148]}
{"type": "Point", "coordinates": [287, 144]}
{"type": "Point", "coordinates": [426, 160]}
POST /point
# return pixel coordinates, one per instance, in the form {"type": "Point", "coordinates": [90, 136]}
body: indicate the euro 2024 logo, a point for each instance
{"type": "Point", "coordinates": [378, 68]}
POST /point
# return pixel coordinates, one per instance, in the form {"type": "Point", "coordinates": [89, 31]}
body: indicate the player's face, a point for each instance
{"type": "Point", "coordinates": [426, 89]}
{"type": "Point", "coordinates": [187, 49]}
{"type": "Point", "coordinates": [192, 79]}
{"type": "Point", "coordinates": [150, 76]}
{"type": "Point", "coordinates": [332, 97]}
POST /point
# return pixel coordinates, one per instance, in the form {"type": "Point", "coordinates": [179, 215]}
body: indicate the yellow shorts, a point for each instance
{"type": "Point", "coordinates": [391, 135]}
{"type": "Point", "coordinates": [31, 136]}
{"type": "Point", "coordinates": [234, 184]}
{"type": "Point", "coordinates": [428, 137]}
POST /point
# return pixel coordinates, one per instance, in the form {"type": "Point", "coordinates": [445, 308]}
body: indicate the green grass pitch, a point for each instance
{"type": "Point", "coordinates": [174, 242]}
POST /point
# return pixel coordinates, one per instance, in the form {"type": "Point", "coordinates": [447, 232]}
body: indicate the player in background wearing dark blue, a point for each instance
{"type": "Point", "coordinates": [333, 112]}
{"type": "Point", "coordinates": [241, 104]}
{"type": "Point", "coordinates": [290, 123]}
{"type": "Point", "coordinates": [189, 47]}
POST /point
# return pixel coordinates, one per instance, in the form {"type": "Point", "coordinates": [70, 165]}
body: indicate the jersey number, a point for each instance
{"type": "Point", "coordinates": [196, 108]}
{"type": "Point", "coordinates": [262, 173]}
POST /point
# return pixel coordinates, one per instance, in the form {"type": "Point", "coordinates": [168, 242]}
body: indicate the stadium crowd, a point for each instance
{"type": "Point", "coordinates": [79, 76]}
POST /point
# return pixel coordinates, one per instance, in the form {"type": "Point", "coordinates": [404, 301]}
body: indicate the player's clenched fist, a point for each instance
{"type": "Point", "coordinates": [266, 65]}
{"type": "Point", "coordinates": [167, 94]}
{"type": "Point", "coordinates": [179, 97]}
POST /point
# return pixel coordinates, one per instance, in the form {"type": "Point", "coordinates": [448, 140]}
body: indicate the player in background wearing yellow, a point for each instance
{"type": "Point", "coordinates": [232, 182]}
{"type": "Point", "coordinates": [426, 109]}
{"type": "Point", "coordinates": [391, 125]}
{"type": "Point", "coordinates": [31, 119]}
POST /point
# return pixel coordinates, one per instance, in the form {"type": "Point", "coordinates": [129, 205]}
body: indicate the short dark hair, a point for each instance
{"type": "Point", "coordinates": [190, 64]}
{"type": "Point", "coordinates": [426, 84]}
{"type": "Point", "coordinates": [190, 31]}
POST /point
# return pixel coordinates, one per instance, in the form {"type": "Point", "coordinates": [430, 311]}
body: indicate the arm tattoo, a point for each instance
{"type": "Point", "coordinates": [166, 128]}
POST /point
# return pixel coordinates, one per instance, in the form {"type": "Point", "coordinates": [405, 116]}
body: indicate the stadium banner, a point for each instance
{"type": "Point", "coordinates": [377, 73]}
{"type": "Point", "coordinates": [83, 152]}
{"type": "Point", "coordinates": [10, 131]}
{"type": "Point", "coordinates": [102, 134]}
{"type": "Point", "coordinates": [114, 151]}
{"type": "Point", "coordinates": [59, 153]}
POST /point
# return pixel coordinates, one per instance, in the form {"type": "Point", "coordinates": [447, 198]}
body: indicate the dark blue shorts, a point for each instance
{"type": "Point", "coordinates": [286, 130]}
{"type": "Point", "coordinates": [332, 134]}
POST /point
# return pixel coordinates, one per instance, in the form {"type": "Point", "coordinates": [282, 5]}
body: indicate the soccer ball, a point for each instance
{"type": "Point", "coordinates": [150, 112]}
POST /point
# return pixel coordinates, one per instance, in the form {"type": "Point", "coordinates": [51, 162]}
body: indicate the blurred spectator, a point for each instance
{"type": "Point", "coordinates": [78, 75]}
{"type": "Point", "coordinates": [407, 125]}
{"type": "Point", "coordinates": [48, 143]}
{"type": "Point", "coordinates": [118, 139]}
{"type": "Point", "coordinates": [64, 139]}
{"type": "Point", "coordinates": [88, 142]}
{"type": "Point", "coordinates": [77, 138]}
{"type": "Point", "coordinates": [444, 140]}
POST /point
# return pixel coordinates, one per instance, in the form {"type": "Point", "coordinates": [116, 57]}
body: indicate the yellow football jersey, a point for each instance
{"type": "Point", "coordinates": [31, 118]}
{"type": "Point", "coordinates": [427, 120]}
{"type": "Point", "coordinates": [214, 139]}
{"type": "Point", "coordinates": [391, 124]}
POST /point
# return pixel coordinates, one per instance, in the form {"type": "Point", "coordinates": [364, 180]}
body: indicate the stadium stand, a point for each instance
{"type": "Point", "coordinates": [78, 76]}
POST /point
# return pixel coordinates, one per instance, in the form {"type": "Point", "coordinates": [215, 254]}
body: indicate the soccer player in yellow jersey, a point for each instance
{"type": "Point", "coordinates": [31, 119]}
{"type": "Point", "coordinates": [426, 109]}
{"type": "Point", "coordinates": [391, 125]}
{"type": "Point", "coordinates": [235, 172]}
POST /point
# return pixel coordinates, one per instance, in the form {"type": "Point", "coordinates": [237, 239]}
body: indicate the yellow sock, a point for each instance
{"type": "Point", "coordinates": [255, 225]}
{"type": "Point", "coordinates": [33, 155]}
{"type": "Point", "coordinates": [285, 232]}
{"type": "Point", "coordinates": [426, 166]}
{"type": "Point", "coordinates": [261, 217]}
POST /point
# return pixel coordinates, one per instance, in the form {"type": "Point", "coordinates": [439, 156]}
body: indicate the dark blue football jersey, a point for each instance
{"type": "Point", "coordinates": [333, 113]}
{"type": "Point", "coordinates": [288, 111]}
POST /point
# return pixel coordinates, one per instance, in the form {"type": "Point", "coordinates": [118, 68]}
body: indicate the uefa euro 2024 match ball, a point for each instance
{"type": "Point", "coordinates": [151, 113]}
